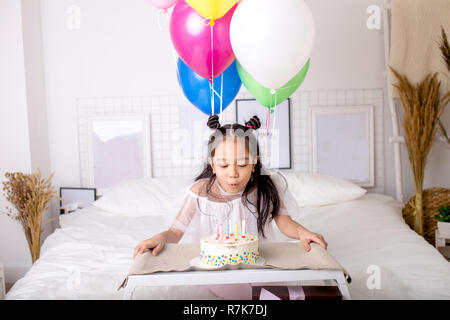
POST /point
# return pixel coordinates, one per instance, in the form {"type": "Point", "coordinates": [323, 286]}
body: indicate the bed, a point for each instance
{"type": "Point", "coordinates": [91, 252]}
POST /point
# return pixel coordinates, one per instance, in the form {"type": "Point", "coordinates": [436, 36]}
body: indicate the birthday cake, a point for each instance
{"type": "Point", "coordinates": [216, 251]}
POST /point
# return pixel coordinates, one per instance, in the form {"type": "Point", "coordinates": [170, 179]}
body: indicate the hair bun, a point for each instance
{"type": "Point", "coordinates": [253, 123]}
{"type": "Point", "coordinates": [213, 121]}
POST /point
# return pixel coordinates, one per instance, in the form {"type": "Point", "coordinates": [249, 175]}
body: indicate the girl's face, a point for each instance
{"type": "Point", "coordinates": [232, 165]}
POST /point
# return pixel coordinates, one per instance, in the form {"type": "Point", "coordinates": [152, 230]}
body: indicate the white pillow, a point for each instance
{"type": "Point", "coordinates": [143, 197]}
{"type": "Point", "coordinates": [312, 189]}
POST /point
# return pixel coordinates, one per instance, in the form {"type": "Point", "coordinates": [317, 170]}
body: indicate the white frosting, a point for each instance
{"type": "Point", "coordinates": [216, 252]}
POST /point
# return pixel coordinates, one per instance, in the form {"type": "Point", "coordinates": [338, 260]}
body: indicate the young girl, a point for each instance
{"type": "Point", "coordinates": [234, 186]}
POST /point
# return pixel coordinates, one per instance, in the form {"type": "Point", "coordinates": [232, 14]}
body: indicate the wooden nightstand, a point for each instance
{"type": "Point", "coordinates": [441, 244]}
{"type": "Point", "coordinates": [2, 283]}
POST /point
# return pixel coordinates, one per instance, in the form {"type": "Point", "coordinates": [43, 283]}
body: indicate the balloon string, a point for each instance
{"type": "Point", "coordinates": [219, 95]}
{"type": "Point", "coordinates": [162, 12]}
{"type": "Point", "coordinates": [275, 113]}
{"type": "Point", "coordinates": [274, 123]}
{"type": "Point", "coordinates": [221, 92]}
{"type": "Point", "coordinates": [212, 70]}
{"type": "Point", "coordinates": [159, 21]}
{"type": "Point", "coordinates": [267, 129]}
{"type": "Point", "coordinates": [215, 92]}
{"type": "Point", "coordinates": [268, 125]}
{"type": "Point", "coordinates": [265, 133]}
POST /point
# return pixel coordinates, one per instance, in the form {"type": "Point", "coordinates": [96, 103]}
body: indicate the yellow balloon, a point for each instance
{"type": "Point", "coordinates": [212, 9]}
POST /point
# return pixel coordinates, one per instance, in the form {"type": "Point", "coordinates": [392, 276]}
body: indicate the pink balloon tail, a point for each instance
{"type": "Point", "coordinates": [163, 12]}
{"type": "Point", "coordinates": [162, 4]}
{"type": "Point", "coordinates": [159, 22]}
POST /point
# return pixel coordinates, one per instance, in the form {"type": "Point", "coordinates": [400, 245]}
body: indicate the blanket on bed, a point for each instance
{"type": "Point", "coordinates": [91, 254]}
{"type": "Point", "coordinates": [280, 255]}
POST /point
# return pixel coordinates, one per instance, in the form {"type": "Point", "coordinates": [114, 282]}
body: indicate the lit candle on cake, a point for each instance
{"type": "Point", "coordinates": [216, 230]}
{"type": "Point", "coordinates": [229, 224]}
{"type": "Point", "coordinates": [236, 233]}
{"type": "Point", "coordinates": [227, 228]}
{"type": "Point", "coordinates": [243, 228]}
{"type": "Point", "coordinates": [221, 232]}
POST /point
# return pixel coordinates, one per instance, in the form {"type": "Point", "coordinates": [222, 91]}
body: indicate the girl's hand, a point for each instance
{"type": "Point", "coordinates": [307, 236]}
{"type": "Point", "coordinates": [156, 243]}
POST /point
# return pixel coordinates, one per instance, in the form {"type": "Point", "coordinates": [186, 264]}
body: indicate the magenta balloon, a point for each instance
{"type": "Point", "coordinates": [162, 4]}
{"type": "Point", "coordinates": [191, 37]}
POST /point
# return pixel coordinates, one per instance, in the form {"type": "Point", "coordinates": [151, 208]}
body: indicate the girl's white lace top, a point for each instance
{"type": "Point", "coordinates": [201, 210]}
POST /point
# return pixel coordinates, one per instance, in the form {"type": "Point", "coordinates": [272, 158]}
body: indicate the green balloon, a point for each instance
{"type": "Point", "coordinates": [263, 94]}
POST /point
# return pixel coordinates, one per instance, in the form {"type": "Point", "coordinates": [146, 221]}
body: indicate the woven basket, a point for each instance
{"type": "Point", "coordinates": [433, 199]}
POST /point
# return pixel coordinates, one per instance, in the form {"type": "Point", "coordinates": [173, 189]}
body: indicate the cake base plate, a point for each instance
{"type": "Point", "coordinates": [196, 262]}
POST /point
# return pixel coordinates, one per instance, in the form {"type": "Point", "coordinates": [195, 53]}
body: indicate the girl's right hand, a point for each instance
{"type": "Point", "coordinates": [156, 243]}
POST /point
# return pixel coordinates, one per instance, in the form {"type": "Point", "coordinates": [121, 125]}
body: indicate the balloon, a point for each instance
{"type": "Point", "coordinates": [162, 4]}
{"type": "Point", "coordinates": [191, 37]}
{"type": "Point", "coordinates": [272, 40]}
{"type": "Point", "coordinates": [264, 95]}
{"type": "Point", "coordinates": [212, 9]}
{"type": "Point", "coordinates": [198, 92]}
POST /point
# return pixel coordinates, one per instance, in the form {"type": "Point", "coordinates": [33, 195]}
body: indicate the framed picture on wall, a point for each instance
{"type": "Point", "coordinates": [342, 142]}
{"type": "Point", "coordinates": [275, 146]}
{"type": "Point", "coordinates": [119, 148]}
{"type": "Point", "coordinates": [76, 198]}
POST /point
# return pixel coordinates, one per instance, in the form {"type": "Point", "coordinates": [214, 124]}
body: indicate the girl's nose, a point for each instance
{"type": "Point", "coordinates": [234, 171]}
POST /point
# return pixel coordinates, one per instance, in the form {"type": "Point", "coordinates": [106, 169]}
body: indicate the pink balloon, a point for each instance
{"type": "Point", "coordinates": [162, 4]}
{"type": "Point", "coordinates": [191, 37]}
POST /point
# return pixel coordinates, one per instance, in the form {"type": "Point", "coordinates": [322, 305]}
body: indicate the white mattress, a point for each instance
{"type": "Point", "coordinates": [90, 254]}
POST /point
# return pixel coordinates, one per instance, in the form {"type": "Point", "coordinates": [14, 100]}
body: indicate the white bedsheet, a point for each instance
{"type": "Point", "coordinates": [90, 254]}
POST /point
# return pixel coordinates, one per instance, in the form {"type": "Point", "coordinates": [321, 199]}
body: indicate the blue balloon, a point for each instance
{"type": "Point", "coordinates": [197, 89]}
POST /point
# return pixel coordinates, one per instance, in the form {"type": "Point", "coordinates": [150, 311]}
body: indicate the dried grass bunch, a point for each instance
{"type": "Point", "coordinates": [444, 47]}
{"type": "Point", "coordinates": [423, 105]}
{"type": "Point", "coordinates": [30, 196]}
{"type": "Point", "coordinates": [422, 108]}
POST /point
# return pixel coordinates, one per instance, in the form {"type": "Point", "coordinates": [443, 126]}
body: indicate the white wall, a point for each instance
{"type": "Point", "coordinates": [120, 51]}
{"type": "Point", "coordinates": [14, 132]}
{"type": "Point", "coordinates": [23, 117]}
{"type": "Point", "coordinates": [124, 53]}
{"type": "Point", "coordinates": [35, 86]}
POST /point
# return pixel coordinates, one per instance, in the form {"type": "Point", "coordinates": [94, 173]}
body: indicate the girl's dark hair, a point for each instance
{"type": "Point", "coordinates": [268, 200]}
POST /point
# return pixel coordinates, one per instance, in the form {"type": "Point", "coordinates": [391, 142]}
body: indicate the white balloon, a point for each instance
{"type": "Point", "coordinates": [272, 39]}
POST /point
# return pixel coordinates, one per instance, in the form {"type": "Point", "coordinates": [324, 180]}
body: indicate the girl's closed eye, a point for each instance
{"type": "Point", "coordinates": [242, 165]}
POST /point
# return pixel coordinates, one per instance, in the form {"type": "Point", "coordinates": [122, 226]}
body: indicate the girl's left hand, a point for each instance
{"type": "Point", "coordinates": [307, 236]}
